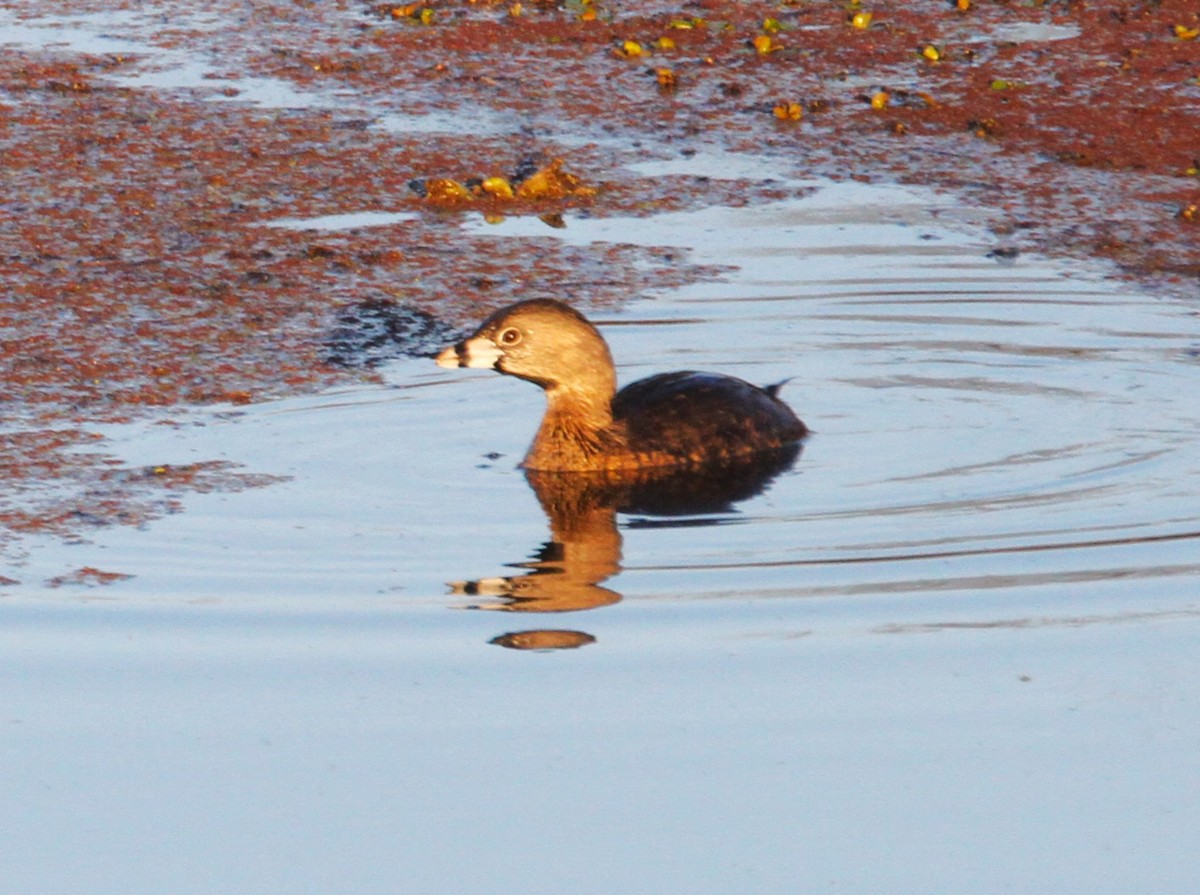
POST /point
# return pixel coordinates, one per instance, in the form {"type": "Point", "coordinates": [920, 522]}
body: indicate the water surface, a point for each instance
{"type": "Point", "coordinates": [952, 648]}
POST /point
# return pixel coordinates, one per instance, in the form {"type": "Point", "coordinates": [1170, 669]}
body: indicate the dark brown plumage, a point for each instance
{"type": "Point", "coordinates": [672, 419]}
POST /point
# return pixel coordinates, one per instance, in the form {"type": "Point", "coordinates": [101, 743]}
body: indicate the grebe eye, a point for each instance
{"type": "Point", "coordinates": [510, 336]}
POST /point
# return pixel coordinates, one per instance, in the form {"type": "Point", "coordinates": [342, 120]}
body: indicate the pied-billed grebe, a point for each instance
{"type": "Point", "coordinates": [672, 419]}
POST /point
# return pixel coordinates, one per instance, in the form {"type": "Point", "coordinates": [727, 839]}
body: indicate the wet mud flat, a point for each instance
{"type": "Point", "coordinates": [149, 149]}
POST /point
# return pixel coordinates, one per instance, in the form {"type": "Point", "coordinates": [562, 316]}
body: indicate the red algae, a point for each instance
{"type": "Point", "coordinates": [140, 274]}
{"type": "Point", "coordinates": [88, 577]}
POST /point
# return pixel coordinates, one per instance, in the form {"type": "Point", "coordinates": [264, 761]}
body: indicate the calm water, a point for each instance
{"type": "Point", "coordinates": [953, 649]}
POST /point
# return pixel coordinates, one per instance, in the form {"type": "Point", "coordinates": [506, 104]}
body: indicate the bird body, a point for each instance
{"type": "Point", "coordinates": [668, 420]}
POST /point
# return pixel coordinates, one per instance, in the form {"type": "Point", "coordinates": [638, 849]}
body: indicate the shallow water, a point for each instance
{"type": "Point", "coordinates": [951, 649]}
{"type": "Point", "coordinates": [978, 425]}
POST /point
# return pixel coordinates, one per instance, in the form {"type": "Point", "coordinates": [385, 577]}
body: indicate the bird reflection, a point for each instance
{"type": "Point", "coordinates": [568, 572]}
